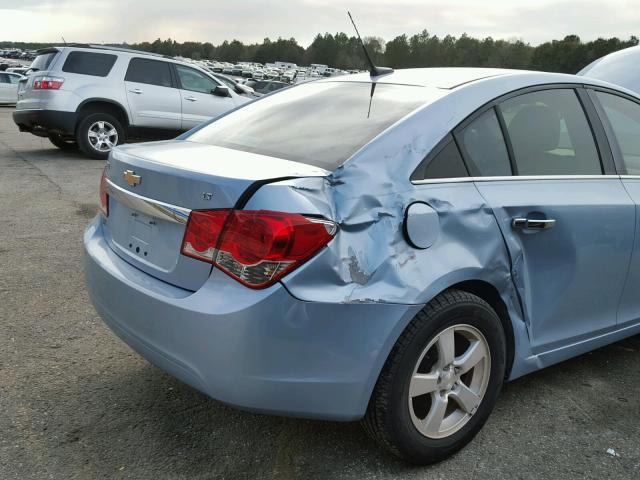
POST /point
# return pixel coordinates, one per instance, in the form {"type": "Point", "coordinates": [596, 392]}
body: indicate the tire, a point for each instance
{"type": "Point", "coordinates": [393, 418]}
{"type": "Point", "coordinates": [111, 132]}
{"type": "Point", "coordinates": [63, 143]}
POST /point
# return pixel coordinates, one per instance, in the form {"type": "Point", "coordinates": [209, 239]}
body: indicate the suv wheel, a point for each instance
{"type": "Point", "coordinates": [63, 143]}
{"type": "Point", "coordinates": [98, 133]}
{"type": "Point", "coordinates": [441, 380]}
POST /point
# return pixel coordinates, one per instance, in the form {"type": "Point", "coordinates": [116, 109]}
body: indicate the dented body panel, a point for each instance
{"type": "Point", "coordinates": [366, 285]}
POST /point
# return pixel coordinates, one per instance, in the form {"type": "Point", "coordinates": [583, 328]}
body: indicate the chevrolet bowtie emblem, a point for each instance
{"type": "Point", "coordinates": [131, 178]}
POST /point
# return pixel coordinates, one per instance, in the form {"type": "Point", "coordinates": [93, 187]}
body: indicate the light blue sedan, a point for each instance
{"type": "Point", "coordinates": [388, 248]}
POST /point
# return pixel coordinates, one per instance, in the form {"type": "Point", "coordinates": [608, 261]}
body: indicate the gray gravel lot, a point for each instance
{"type": "Point", "coordinates": [75, 402]}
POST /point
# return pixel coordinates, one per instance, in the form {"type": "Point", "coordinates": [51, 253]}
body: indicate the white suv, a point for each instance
{"type": "Point", "coordinates": [94, 97]}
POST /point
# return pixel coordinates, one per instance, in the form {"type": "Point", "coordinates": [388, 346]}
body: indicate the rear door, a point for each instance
{"type": "Point", "coordinates": [154, 100]}
{"type": "Point", "coordinates": [566, 218]}
{"type": "Point", "coordinates": [621, 116]}
{"type": "Point", "coordinates": [199, 104]}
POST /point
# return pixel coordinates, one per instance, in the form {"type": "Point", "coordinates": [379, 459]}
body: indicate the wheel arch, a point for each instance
{"type": "Point", "coordinates": [490, 294]}
{"type": "Point", "coordinates": [95, 105]}
{"type": "Point", "coordinates": [483, 289]}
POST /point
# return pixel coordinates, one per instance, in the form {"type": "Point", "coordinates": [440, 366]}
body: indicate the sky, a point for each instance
{"type": "Point", "coordinates": [117, 21]}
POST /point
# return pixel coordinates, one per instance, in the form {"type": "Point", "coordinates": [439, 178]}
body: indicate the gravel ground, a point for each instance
{"type": "Point", "coordinates": [75, 402]}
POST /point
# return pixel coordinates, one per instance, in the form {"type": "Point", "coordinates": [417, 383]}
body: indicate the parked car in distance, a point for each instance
{"type": "Point", "coordinates": [621, 67]}
{"type": "Point", "coordinates": [9, 87]}
{"type": "Point", "coordinates": [94, 97]}
{"type": "Point", "coordinates": [264, 87]}
{"type": "Point", "coordinates": [18, 70]}
{"type": "Point", "coordinates": [239, 88]}
{"type": "Point", "coordinates": [403, 246]}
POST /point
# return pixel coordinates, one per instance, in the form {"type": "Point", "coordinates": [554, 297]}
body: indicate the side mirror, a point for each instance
{"type": "Point", "coordinates": [221, 91]}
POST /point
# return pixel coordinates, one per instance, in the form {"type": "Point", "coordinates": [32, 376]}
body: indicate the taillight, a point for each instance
{"type": "Point", "coordinates": [47, 83]}
{"type": "Point", "coordinates": [257, 247]}
{"type": "Point", "coordinates": [104, 193]}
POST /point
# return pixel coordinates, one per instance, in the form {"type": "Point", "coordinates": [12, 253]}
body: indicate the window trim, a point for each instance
{"type": "Point", "coordinates": [610, 135]}
{"type": "Point", "coordinates": [521, 178]}
{"type": "Point", "coordinates": [435, 151]}
{"type": "Point", "coordinates": [171, 72]}
{"type": "Point", "coordinates": [604, 154]}
{"type": "Point", "coordinates": [466, 158]}
{"type": "Point", "coordinates": [179, 83]}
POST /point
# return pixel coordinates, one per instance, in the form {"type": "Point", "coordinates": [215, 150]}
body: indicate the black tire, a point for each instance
{"type": "Point", "coordinates": [63, 143]}
{"type": "Point", "coordinates": [388, 419]}
{"type": "Point", "coordinates": [82, 133]}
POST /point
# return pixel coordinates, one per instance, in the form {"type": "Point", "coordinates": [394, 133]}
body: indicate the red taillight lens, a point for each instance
{"type": "Point", "coordinates": [202, 234]}
{"type": "Point", "coordinates": [255, 247]}
{"type": "Point", "coordinates": [47, 83]}
{"type": "Point", "coordinates": [104, 193]}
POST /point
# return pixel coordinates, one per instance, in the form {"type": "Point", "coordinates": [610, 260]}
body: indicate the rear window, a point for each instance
{"type": "Point", "coordinates": [42, 61]}
{"type": "Point", "coordinates": [89, 63]}
{"type": "Point", "coordinates": [320, 124]}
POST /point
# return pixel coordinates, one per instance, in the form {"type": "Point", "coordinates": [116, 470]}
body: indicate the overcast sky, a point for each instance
{"type": "Point", "coordinates": [252, 20]}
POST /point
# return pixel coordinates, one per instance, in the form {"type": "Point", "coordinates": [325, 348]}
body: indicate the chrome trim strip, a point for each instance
{"type": "Point", "coordinates": [148, 206]}
{"type": "Point", "coordinates": [630, 177]}
{"type": "Point", "coordinates": [518, 178]}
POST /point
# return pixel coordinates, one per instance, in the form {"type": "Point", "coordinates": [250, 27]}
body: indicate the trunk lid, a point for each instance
{"type": "Point", "coordinates": [153, 187]}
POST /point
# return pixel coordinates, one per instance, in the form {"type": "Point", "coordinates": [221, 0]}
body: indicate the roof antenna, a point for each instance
{"type": "Point", "coordinates": [373, 70]}
{"type": "Point", "coordinates": [63, 40]}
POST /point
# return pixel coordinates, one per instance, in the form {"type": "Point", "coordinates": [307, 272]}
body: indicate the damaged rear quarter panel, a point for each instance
{"type": "Point", "coordinates": [369, 260]}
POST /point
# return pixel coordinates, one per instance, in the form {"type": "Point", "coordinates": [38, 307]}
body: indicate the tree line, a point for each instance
{"type": "Point", "coordinates": [340, 50]}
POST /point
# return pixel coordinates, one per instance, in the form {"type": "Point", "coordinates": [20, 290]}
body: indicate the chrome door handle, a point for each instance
{"type": "Point", "coordinates": [191, 99]}
{"type": "Point", "coordinates": [137, 91]}
{"type": "Point", "coordinates": [533, 223]}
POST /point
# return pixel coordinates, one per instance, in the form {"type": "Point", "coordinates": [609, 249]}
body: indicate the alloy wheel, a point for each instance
{"type": "Point", "coordinates": [102, 136]}
{"type": "Point", "coordinates": [449, 381]}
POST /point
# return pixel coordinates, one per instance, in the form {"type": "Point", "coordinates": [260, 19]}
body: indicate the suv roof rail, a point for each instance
{"type": "Point", "coordinates": [113, 48]}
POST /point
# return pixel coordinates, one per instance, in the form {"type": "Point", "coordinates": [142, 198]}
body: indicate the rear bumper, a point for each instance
{"type": "Point", "coordinates": [258, 350]}
{"type": "Point", "coordinates": [45, 122]}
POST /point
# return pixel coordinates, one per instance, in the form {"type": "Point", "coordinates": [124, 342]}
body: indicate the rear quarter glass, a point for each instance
{"type": "Point", "coordinates": [319, 124]}
{"type": "Point", "coordinates": [42, 61]}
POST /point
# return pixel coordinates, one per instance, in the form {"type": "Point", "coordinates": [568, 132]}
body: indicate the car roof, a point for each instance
{"type": "Point", "coordinates": [621, 68]}
{"type": "Point", "coordinates": [439, 77]}
{"type": "Point", "coordinates": [451, 78]}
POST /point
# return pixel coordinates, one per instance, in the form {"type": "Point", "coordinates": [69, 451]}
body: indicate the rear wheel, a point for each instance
{"type": "Point", "coordinates": [98, 133]}
{"type": "Point", "coordinates": [441, 380]}
{"type": "Point", "coordinates": [63, 143]}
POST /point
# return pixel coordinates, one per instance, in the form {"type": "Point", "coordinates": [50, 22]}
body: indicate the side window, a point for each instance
{"type": "Point", "coordinates": [444, 163]}
{"type": "Point", "coordinates": [550, 134]}
{"type": "Point", "coordinates": [624, 117]}
{"type": "Point", "coordinates": [483, 143]}
{"type": "Point", "coordinates": [151, 72]}
{"type": "Point", "coordinates": [4, 78]}
{"type": "Point", "coordinates": [194, 80]}
{"type": "Point", "coordinates": [89, 63]}
{"type": "Point", "coordinates": [13, 78]}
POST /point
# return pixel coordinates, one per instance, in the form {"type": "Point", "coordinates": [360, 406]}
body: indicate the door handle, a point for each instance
{"type": "Point", "coordinates": [191, 99]}
{"type": "Point", "coordinates": [533, 223]}
{"type": "Point", "coordinates": [137, 91]}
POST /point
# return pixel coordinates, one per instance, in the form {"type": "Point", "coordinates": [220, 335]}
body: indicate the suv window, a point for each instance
{"type": "Point", "coordinates": [195, 81]}
{"type": "Point", "coordinates": [483, 143]}
{"type": "Point", "coordinates": [42, 61]}
{"type": "Point", "coordinates": [624, 117]}
{"type": "Point", "coordinates": [444, 162]}
{"type": "Point", "coordinates": [316, 123]}
{"type": "Point", "coordinates": [550, 134]}
{"type": "Point", "coordinates": [89, 63]}
{"type": "Point", "coordinates": [151, 72]}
